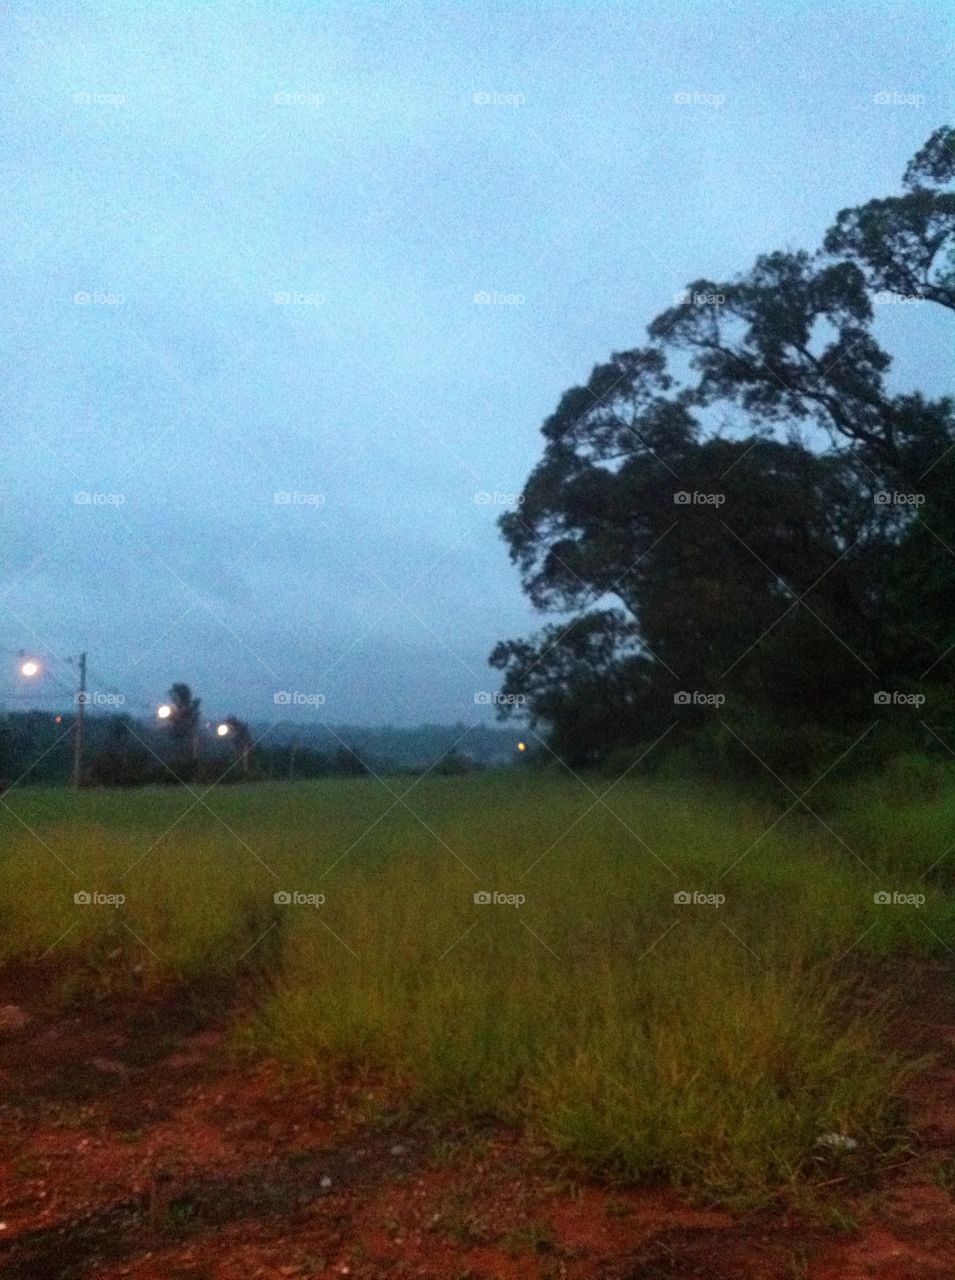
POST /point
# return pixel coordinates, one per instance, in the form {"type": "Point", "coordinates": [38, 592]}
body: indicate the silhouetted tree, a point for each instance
{"type": "Point", "coordinates": [184, 721]}
{"type": "Point", "coordinates": [698, 533]}
{"type": "Point", "coordinates": [241, 739]}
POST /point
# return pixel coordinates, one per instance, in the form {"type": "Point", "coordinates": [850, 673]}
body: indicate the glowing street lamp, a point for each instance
{"type": "Point", "coordinates": [522, 746]}
{"type": "Point", "coordinates": [31, 668]}
{"type": "Point", "coordinates": [222, 730]}
{"type": "Point", "coordinates": [164, 712]}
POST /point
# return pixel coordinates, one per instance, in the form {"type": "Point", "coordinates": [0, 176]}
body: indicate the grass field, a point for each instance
{"type": "Point", "coordinates": [707, 1042]}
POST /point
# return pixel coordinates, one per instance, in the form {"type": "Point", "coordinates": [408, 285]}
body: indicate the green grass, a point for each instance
{"type": "Point", "coordinates": [708, 1046]}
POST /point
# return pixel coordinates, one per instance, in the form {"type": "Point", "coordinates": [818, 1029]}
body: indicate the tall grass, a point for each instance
{"type": "Point", "coordinates": [705, 1042]}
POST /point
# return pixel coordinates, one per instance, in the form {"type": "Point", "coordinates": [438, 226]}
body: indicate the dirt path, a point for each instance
{"type": "Point", "coordinates": [134, 1143]}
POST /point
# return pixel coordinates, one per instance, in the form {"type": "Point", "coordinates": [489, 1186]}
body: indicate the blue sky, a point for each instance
{"type": "Point", "coordinates": [280, 215]}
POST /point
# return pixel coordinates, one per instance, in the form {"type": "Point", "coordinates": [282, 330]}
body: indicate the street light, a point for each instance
{"type": "Point", "coordinates": [222, 730]}
{"type": "Point", "coordinates": [164, 712]}
{"type": "Point", "coordinates": [31, 668]}
{"type": "Point", "coordinates": [522, 746]}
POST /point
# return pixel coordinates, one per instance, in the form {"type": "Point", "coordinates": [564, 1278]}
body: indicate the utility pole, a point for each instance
{"type": "Point", "coordinates": [78, 726]}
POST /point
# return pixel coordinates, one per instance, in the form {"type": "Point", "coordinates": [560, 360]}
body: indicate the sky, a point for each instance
{"type": "Point", "coordinates": [290, 288]}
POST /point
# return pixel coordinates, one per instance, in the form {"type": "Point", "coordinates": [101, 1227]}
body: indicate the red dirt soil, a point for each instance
{"type": "Point", "coordinates": [135, 1143]}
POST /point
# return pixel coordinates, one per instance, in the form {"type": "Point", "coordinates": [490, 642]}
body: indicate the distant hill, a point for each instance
{"type": "Point", "coordinates": [401, 748]}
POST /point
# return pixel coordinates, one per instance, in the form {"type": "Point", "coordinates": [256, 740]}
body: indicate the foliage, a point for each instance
{"type": "Point", "coordinates": [766, 535]}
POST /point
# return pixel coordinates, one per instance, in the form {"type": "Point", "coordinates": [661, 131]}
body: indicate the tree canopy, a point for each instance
{"type": "Point", "coordinates": [742, 522]}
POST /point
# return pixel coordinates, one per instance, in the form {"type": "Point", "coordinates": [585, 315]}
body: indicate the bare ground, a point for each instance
{"type": "Point", "coordinates": [135, 1143]}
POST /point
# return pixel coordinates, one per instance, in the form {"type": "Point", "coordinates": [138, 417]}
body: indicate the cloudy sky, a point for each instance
{"type": "Point", "coordinates": [291, 287]}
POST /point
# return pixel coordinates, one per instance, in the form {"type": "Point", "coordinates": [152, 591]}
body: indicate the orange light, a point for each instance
{"type": "Point", "coordinates": [522, 746]}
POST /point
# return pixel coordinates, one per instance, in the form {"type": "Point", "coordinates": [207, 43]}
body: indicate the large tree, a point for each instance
{"type": "Point", "coordinates": [184, 720]}
{"type": "Point", "coordinates": [727, 531]}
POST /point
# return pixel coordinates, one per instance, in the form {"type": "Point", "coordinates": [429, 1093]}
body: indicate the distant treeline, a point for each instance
{"type": "Point", "coordinates": [120, 750]}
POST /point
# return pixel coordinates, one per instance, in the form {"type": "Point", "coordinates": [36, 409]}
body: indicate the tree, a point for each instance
{"type": "Point", "coordinates": [727, 532]}
{"type": "Point", "coordinates": [904, 244]}
{"type": "Point", "coordinates": [241, 738]}
{"type": "Point", "coordinates": [790, 343]}
{"type": "Point", "coordinates": [184, 721]}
